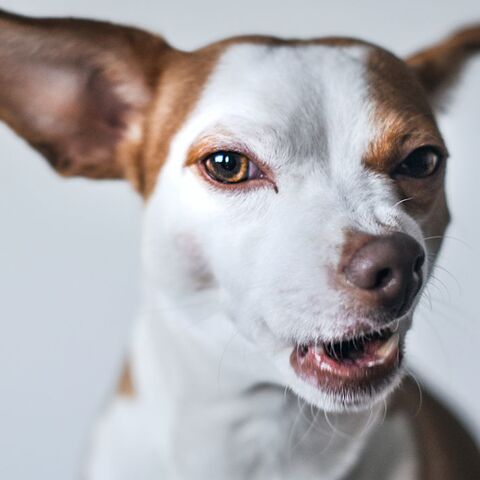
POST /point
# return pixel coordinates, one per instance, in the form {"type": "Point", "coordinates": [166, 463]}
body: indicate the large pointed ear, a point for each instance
{"type": "Point", "coordinates": [77, 90]}
{"type": "Point", "coordinates": [439, 67]}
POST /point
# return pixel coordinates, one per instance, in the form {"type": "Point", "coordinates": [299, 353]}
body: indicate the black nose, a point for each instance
{"type": "Point", "coordinates": [388, 270]}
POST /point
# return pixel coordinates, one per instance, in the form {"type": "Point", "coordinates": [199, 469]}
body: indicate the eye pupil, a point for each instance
{"type": "Point", "coordinates": [227, 161]}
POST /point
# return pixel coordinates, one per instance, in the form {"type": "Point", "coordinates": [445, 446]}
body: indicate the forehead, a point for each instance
{"type": "Point", "coordinates": [292, 80]}
{"type": "Point", "coordinates": [295, 95]}
{"type": "Point", "coordinates": [335, 99]}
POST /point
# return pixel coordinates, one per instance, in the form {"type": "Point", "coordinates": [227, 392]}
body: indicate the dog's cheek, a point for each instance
{"type": "Point", "coordinates": [427, 226]}
{"type": "Point", "coordinates": [194, 263]}
{"type": "Point", "coordinates": [434, 225]}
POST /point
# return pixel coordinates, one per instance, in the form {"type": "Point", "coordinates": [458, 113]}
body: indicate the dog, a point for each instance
{"type": "Point", "coordinates": [294, 208]}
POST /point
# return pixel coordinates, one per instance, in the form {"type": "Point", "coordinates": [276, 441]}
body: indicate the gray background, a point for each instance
{"type": "Point", "coordinates": [69, 268]}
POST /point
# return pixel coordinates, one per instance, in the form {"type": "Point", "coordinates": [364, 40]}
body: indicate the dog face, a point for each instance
{"type": "Point", "coordinates": [293, 170]}
{"type": "Point", "coordinates": [298, 185]}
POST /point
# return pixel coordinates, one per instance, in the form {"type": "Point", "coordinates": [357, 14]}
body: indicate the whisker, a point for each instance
{"type": "Point", "coordinates": [334, 429]}
{"type": "Point", "coordinates": [448, 237]}
{"type": "Point", "coordinates": [434, 279]}
{"type": "Point", "coordinates": [402, 201]}
{"type": "Point", "coordinates": [426, 294]}
{"type": "Point", "coordinates": [304, 435]}
{"type": "Point", "coordinates": [453, 277]}
{"type": "Point", "coordinates": [419, 387]}
{"type": "Point", "coordinates": [298, 417]}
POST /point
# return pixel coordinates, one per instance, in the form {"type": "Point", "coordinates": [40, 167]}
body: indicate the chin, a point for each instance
{"type": "Point", "coordinates": [348, 399]}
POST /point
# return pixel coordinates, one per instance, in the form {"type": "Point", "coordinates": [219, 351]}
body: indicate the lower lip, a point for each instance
{"type": "Point", "coordinates": [323, 371]}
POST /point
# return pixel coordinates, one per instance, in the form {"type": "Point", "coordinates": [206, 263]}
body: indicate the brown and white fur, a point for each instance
{"type": "Point", "coordinates": [235, 277]}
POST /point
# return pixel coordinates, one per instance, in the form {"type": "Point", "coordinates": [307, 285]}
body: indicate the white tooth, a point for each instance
{"type": "Point", "coordinates": [388, 347]}
{"type": "Point", "coordinates": [319, 351]}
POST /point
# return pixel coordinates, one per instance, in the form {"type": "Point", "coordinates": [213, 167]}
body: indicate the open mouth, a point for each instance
{"type": "Point", "coordinates": [358, 363]}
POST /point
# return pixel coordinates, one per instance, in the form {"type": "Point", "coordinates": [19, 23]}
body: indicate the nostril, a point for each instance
{"type": "Point", "coordinates": [417, 267]}
{"type": "Point", "coordinates": [383, 277]}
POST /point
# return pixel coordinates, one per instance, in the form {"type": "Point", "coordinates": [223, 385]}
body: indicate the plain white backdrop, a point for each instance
{"type": "Point", "coordinates": [69, 262]}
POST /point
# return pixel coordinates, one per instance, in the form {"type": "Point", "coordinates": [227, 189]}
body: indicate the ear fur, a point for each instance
{"type": "Point", "coordinates": [439, 67]}
{"type": "Point", "coordinates": [77, 90]}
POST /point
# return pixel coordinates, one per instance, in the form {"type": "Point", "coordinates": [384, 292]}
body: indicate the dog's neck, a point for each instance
{"type": "Point", "coordinates": [221, 389]}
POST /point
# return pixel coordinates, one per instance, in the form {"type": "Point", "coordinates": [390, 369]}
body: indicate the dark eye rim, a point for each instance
{"type": "Point", "coordinates": [440, 153]}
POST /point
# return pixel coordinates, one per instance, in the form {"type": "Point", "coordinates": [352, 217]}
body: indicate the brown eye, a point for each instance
{"type": "Point", "coordinates": [421, 163]}
{"type": "Point", "coordinates": [230, 167]}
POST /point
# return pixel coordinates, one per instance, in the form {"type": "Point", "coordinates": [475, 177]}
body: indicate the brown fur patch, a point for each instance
{"type": "Point", "coordinates": [438, 67]}
{"type": "Point", "coordinates": [77, 89]}
{"type": "Point", "coordinates": [402, 115]}
{"type": "Point", "coordinates": [447, 452]}
{"type": "Point", "coordinates": [403, 122]}
{"type": "Point", "coordinates": [125, 385]}
{"type": "Point", "coordinates": [177, 92]}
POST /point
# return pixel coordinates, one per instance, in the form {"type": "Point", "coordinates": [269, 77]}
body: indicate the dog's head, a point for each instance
{"type": "Point", "coordinates": [298, 184]}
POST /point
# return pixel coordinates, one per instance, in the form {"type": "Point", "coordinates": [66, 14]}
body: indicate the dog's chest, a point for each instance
{"type": "Point", "coordinates": [266, 440]}
{"type": "Point", "coordinates": [268, 446]}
